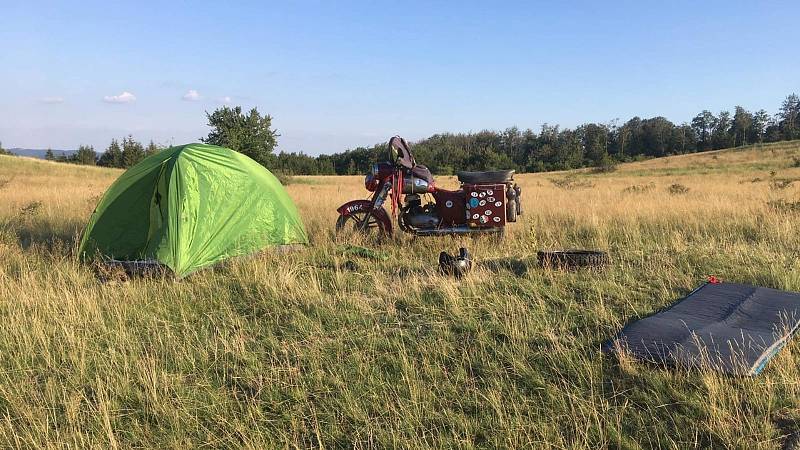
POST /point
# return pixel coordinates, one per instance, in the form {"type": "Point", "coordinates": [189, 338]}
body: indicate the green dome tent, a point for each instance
{"type": "Point", "coordinates": [191, 206]}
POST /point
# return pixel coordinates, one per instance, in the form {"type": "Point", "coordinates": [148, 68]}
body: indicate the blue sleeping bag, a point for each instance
{"type": "Point", "coordinates": [731, 328]}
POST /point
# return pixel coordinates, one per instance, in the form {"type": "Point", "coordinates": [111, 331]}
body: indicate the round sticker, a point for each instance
{"type": "Point", "coordinates": [448, 203]}
{"type": "Point", "coordinates": [474, 194]}
{"type": "Point", "coordinates": [490, 192]}
{"type": "Point", "coordinates": [475, 216]}
{"type": "Point", "coordinates": [484, 219]}
{"type": "Point", "coordinates": [483, 194]}
{"type": "Point", "coordinates": [482, 202]}
{"type": "Point", "coordinates": [496, 219]}
{"type": "Point", "coordinates": [488, 212]}
{"type": "Point", "coordinates": [473, 202]}
{"type": "Point", "coordinates": [498, 204]}
{"type": "Point", "coordinates": [490, 199]}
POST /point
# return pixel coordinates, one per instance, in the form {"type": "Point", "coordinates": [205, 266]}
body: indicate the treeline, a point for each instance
{"type": "Point", "coordinates": [556, 148]}
{"type": "Point", "coordinates": [119, 155]}
{"type": "Point", "coordinates": [551, 148]}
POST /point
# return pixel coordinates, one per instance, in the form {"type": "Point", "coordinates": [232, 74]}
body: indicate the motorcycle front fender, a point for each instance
{"type": "Point", "coordinates": [355, 206]}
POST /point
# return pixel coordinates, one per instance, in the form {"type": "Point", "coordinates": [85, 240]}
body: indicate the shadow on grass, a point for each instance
{"type": "Point", "coordinates": [408, 272]}
{"type": "Point", "coordinates": [674, 402]}
{"type": "Point", "coordinates": [49, 235]}
{"type": "Point", "coordinates": [789, 429]}
{"type": "Point", "coordinates": [518, 267]}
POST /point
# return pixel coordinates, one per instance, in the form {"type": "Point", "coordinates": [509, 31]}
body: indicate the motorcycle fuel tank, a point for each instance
{"type": "Point", "coordinates": [414, 185]}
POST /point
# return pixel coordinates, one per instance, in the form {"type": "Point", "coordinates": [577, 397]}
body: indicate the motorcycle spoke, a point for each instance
{"type": "Point", "coordinates": [359, 222]}
{"type": "Point", "coordinates": [360, 225]}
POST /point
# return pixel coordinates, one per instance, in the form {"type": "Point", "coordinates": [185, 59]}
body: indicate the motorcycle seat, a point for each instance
{"type": "Point", "coordinates": [497, 176]}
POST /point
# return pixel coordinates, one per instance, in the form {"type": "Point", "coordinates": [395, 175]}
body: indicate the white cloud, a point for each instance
{"type": "Point", "coordinates": [225, 99]}
{"type": "Point", "coordinates": [52, 100]}
{"type": "Point", "coordinates": [191, 95]}
{"type": "Point", "coordinates": [125, 97]}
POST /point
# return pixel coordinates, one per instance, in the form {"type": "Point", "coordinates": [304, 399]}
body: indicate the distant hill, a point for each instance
{"type": "Point", "coordinates": [37, 153]}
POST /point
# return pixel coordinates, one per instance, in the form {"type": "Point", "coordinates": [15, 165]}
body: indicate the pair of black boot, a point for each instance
{"type": "Point", "coordinates": [458, 266]}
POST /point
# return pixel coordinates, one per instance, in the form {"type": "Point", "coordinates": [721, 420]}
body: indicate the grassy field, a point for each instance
{"type": "Point", "coordinates": [307, 349]}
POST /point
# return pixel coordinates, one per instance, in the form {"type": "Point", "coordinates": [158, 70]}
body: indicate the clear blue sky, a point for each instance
{"type": "Point", "coordinates": [336, 75]}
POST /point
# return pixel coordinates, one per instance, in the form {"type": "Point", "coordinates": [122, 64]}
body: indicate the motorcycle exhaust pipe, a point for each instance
{"type": "Point", "coordinates": [456, 230]}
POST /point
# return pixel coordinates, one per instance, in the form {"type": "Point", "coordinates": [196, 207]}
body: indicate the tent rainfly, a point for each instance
{"type": "Point", "coordinates": [192, 206]}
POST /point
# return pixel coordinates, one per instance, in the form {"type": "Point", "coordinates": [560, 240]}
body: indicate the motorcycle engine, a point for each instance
{"type": "Point", "coordinates": [417, 216]}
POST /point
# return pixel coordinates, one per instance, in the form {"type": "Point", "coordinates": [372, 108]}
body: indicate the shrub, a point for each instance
{"type": "Point", "coordinates": [780, 184]}
{"type": "Point", "coordinates": [607, 165]}
{"type": "Point", "coordinates": [571, 182]}
{"type": "Point", "coordinates": [784, 206]}
{"type": "Point", "coordinates": [31, 209]}
{"type": "Point", "coordinates": [639, 188]}
{"type": "Point", "coordinates": [678, 189]}
{"type": "Point", "coordinates": [283, 178]}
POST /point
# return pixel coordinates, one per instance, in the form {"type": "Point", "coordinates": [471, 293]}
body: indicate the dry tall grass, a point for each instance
{"type": "Point", "coordinates": [322, 348]}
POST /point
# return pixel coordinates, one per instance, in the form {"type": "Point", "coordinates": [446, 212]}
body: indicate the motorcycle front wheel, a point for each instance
{"type": "Point", "coordinates": [354, 225]}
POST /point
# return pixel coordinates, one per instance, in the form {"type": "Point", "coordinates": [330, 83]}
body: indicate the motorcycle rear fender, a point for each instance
{"type": "Point", "coordinates": [355, 206]}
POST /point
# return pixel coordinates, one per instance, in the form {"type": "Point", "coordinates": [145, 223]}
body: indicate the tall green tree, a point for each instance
{"type": "Point", "coordinates": [249, 133]}
{"type": "Point", "coordinates": [112, 157]}
{"type": "Point", "coordinates": [48, 155]}
{"type": "Point", "coordinates": [789, 117]}
{"type": "Point", "coordinates": [656, 136]}
{"type": "Point", "coordinates": [741, 126]}
{"type": "Point", "coordinates": [684, 139]}
{"type": "Point", "coordinates": [761, 120]}
{"type": "Point", "coordinates": [132, 151]}
{"type": "Point", "coordinates": [595, 143]}
{"type": "Point", "coordinates": [151, 149]}
{"type": "Point", "coordinates": [85, 155]}
{"type": "Point", "coordinates": [720, 135]}
{"type": "Point", "coordinates": [773, 131]}
{"type": "Point", "coordinates": [703, 125]}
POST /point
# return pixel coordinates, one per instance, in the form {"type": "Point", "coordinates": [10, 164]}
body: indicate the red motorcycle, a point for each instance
{"type": "Point", "coordinates": [484, 203]}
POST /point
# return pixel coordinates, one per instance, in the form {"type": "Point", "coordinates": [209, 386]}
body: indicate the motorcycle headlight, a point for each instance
{"type": "Point", "coordinates": [371, 182]}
